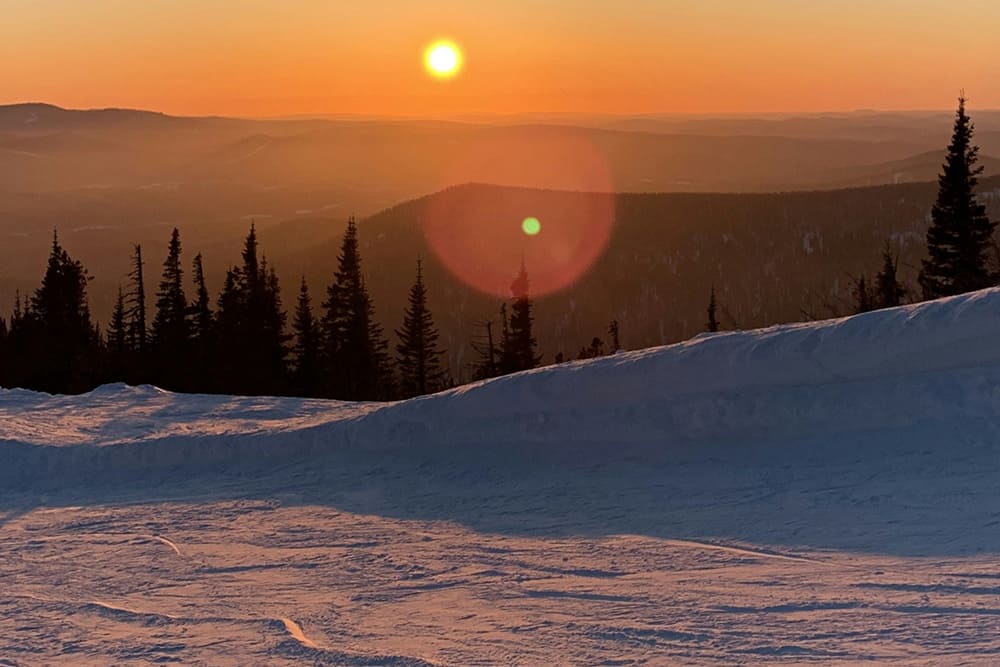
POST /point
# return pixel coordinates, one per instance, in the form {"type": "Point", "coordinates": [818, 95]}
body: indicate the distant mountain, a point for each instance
{"type": "Point", "coordinates": [48, 149]}
{"type": "Point", "coordinates": [772, 258]}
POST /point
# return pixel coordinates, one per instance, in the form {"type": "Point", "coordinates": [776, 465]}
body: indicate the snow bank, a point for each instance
{"type": "Point", "coordinates": [929, 367]}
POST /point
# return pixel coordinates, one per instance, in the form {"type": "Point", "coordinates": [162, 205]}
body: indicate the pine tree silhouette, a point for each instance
{"type": "Point", "coordinates": [519, 342]}
{"type": "Point", "coordinates": [960, 233]}
{"type": "Point", "coordinates": [251, 346]}
{"type": "Point", "coordinates": [118, 351]}
{"type": "Point", "coordinates": [864, 300]}
{"type": "Point", "coordinates": [713, 324]}
{"type": "Point", "coordinates": [171, 331]}
{"type": "Point", "coordinates": [308, 366]}
{"type": "Point", "coordinates": [60, 343]}
{"type": "Point", "coordinates": [417, 354]}
{"type": "Point", "coordinates": [137, 329]}
{"type": "Point", "coordinates": [355, 349]}
{"type": "Point", "coordinates": [201, 360]}
{"type": "Point", "coordinates": [888, 291]}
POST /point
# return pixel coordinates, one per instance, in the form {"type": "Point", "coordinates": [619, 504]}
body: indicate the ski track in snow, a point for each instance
{"type": "Point", "coordinates": [160, 538]}
{"type": "Point", "coordinates": [295, 631]}
{"type": "Point", "coordinates": [821, 493]}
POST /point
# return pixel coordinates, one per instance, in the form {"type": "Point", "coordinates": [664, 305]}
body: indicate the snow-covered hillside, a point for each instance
{"type": "Point", "coordinates": [813, 492]}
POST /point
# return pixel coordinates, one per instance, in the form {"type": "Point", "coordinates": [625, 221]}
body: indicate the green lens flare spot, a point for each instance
{"type": "Point", "coordinates": [531, 226]}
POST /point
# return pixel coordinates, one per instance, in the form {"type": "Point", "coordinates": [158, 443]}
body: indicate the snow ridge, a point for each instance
{"type": "Point", "coordinates": [908, 367]}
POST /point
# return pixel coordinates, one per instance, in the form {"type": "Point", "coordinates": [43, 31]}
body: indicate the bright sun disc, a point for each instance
{"type": "Point", "coordinates": [443, 59]}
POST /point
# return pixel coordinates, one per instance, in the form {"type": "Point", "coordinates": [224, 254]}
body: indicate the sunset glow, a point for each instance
{"type": "Point", "coordinates": [265, 58]}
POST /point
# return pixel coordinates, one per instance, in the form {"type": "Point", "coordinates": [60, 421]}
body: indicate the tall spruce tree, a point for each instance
{"type": "Point", "coordinates": [200, 309]}
{"type": "Point", "coordinates": [960, 234]}
{"type": "Point", "coordinates": [888, 290]}
{"type": "Point", "coordinates": [250, 343]}
{"type": "Point", "coordinates": [417, 354]}
{"type": "Point", "coordinates": [137, 328]}
{"type": "Point", "coordinates": [519, 345]}
{"type": "Point", "coordinates": [355, 349]}
{"type": "Point", "coordinates": [171, 331]}
{"type": "Point", "coordinates": [118, 341]}
{"type": "Point", "coordinates": [202, 323]}
{"type": "Point", "coordinates": [307, 372]}
{"type": "Point", "coordinates": [60, 343]}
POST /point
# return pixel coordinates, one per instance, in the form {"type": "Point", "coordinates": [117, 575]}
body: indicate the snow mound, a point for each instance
{"type": "Point", "coordinates": [923, 368]}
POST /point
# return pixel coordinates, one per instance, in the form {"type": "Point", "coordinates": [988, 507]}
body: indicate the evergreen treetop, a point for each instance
{"type": "Point", "coordinates": [960, 233]}
{"type": "Point", "coordinates": [418, 357]}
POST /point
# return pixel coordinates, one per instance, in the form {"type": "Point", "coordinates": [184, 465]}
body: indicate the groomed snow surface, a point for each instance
{"type": "Point", "coordinates": [805, 494]}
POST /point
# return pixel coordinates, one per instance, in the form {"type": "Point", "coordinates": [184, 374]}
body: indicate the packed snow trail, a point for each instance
{"type": "Point", "coordinates": [820, 492]}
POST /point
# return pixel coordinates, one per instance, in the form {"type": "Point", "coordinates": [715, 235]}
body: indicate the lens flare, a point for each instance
{"type": "Point", "coordinates": [483, 233]}
{"type": "Point", "coordinates": [443, 59]}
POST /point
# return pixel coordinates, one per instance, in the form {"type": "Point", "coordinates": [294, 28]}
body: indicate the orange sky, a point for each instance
{"type": "Point", "coordinates": [279, 57]}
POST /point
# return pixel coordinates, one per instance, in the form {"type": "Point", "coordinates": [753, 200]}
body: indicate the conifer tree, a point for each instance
{"type": "Point", "coordinates": [960, 233]}
{"type": "Point", "coordinates": [200, 309]}
{"type": "Point", "coordinates": [713, 324]}
{"type": "Point", "coordinates": [593, 351]}
{"type": "Point", "coordinates": [137, 307]}
{"type": "Point", "coordinates": [62, 348]}
{"type": "Point", "coordinates": [355, 349]}
{"type": "Point", "coordinates": [202, 360]}
{"type": "Point", "coordinates": [417, 354]}
{"type": "Point", "coordinates": [888, 290]}
{"type": "Point", "coordinates": [118, 341]}
{"type": "Point", "coordinates": [171, 331]}
{"type": "Point", "coordinates": [118, 329]}
{"type": "Point", "coordinates": [250, 343]}
{"type": "Point", "coordinates": [519, 344]}
{"type": "Point", "coordinates": [307, 373]}
{"type": "Point", "coordinates": [864, 300]}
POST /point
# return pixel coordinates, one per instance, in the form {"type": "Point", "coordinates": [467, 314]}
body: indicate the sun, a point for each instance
{"type": "Point", "coordinates": [443, 59]}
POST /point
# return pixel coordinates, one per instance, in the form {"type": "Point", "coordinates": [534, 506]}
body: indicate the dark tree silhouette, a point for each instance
{"type": "Point", "coordinates": [202, 325]}
{"type": "Point", "coordinates": [864, 300]}
{"type": "Point", "coordinates": [594, 350]}
{"type": "Point", "coordinates": [960, 233]}
{"type": "Point", "coordinates": [137, 329]}
{"type": "Point", "coordinates": [118, 351]}
{"type": "Point", "coordinates": [518, 340]}
{"type": "Point", "coordinates": [251, 345]}
{"type": "Point", "coordinates": [355, 349]}
{"type": "Point", "coordinates": [888, 292]}
{"type": "Point", "coordinates": [417, 354]}
{"type": "Point", "coordinates": [713, 323]}
{"type": "Point", "coordinates": [60, 345]}
{"type": "Point", "coordinates": [171, 331]}
{"type": "Point", "coordinates": [487, 365]}
{"type": "Point", "coordinates": [307, 374]}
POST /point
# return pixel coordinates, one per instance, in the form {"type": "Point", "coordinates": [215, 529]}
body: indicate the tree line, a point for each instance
{"type": "Point", "coordinates": [962, 254]}
{"type": "Point", "coordinates": [243, 342]}
{"type": "Point", "coordinates": [240, 344]}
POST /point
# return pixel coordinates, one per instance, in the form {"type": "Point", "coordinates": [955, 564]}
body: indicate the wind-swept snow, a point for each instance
{"type": "Point", "coordinates": [812, 493]}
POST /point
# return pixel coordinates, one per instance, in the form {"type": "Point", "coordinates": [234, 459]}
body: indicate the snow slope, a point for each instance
{"type": "Point", "coordinates": [815, 492]}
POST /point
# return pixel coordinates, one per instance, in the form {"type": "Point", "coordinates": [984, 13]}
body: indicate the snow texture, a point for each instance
{"type": "Point", "coordinates": [815, 493]}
